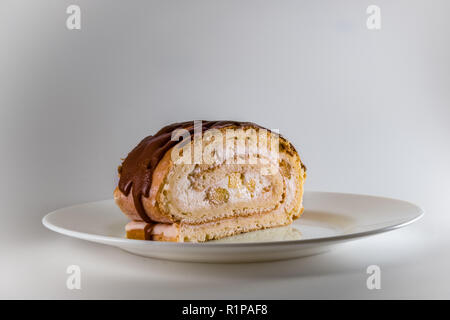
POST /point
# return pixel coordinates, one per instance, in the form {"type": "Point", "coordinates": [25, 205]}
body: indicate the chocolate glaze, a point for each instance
{"type": "Point", "coordinates": [137, 169]}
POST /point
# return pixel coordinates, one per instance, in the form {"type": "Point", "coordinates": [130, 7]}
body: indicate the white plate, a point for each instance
{"type": "Point", "coordinates": [329, 219]}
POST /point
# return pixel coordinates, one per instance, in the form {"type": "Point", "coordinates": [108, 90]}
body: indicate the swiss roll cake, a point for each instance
{"type": "Point", "coordinates": [197, 181]}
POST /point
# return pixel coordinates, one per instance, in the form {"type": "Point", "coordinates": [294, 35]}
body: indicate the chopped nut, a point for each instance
{"type": "Point", "coordinates": [217, 196]}
{"type": "Point", "coordinates": [285, 169]}
{"type": "Point", "coordinates": [195, 178]}
{"type": "Point", "coordinates": [234, 180]}
{"type": "Point", "coordinates": [251, 186]}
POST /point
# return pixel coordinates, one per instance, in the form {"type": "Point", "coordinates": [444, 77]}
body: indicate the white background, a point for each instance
{"type": "Point", "coordinates": [368, 110]}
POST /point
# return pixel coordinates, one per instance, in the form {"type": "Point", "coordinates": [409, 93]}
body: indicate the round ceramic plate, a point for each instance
{"type": "Point", "coordinates": [329, 220]}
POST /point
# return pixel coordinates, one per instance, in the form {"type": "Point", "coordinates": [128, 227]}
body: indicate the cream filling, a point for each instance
{"type": "Point", "coordinates": [201, 193]}
{"type": "Point", "coordinates": [222, 192]}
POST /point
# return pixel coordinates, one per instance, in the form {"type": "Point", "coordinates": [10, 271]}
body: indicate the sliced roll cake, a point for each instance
{"type": "Point", "coordinates": [199, 181]}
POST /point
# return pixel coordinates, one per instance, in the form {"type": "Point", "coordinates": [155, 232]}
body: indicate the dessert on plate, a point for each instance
{"type": "Point", "coordinates": [204, 180]}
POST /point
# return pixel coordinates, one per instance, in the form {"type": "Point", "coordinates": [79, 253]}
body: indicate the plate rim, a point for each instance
{"type": "Point", "coordinates": [124, 241]}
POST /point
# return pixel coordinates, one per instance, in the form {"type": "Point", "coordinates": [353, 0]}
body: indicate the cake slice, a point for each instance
{"type": "Point", "coordinates": [223, 178]}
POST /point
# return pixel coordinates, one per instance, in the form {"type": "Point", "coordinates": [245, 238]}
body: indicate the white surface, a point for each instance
{"type": "Point", "coordinates": [368, 111]}
{"type": "Point", "coordinates": [330, 220]}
